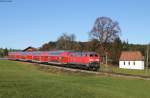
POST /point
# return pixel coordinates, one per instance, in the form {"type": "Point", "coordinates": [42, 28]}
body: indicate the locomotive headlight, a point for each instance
{"type": "Point", "coordinates": [96, 59]}
{"type": "Point", "coordinates": [60, 57]}
{"type": "Point", "coordinates": [91, 60]}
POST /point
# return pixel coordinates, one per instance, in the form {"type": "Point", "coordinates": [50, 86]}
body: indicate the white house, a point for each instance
{"type": "Point", "coordinates": [131, 60]}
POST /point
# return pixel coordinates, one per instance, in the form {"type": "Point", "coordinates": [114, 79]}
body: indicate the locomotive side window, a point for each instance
{"type": "Point", "coordinates": [96, 55]}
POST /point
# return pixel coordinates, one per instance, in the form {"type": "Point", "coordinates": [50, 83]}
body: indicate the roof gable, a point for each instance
{"type": "Point", "coordinates": [30, 49]}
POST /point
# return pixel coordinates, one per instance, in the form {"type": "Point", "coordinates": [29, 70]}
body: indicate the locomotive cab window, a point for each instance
{"type": "Point", "coordinates": [91, 55]}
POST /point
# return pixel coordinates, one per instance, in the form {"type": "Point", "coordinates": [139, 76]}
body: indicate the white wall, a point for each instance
{"type": "Point", "coordinates": [138, 64]}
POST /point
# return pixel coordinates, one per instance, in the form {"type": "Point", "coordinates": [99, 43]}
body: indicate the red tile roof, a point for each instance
{"type": "Point", "coordinates": [131, 56]}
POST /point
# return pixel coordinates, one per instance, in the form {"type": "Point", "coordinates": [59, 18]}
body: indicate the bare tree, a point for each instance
{"type": "Point", "coordinates": [72, 41]}
{"type": "Point", "coordinates": [105, 30]}
{"type": "Point", "coordinates": [66, 41]}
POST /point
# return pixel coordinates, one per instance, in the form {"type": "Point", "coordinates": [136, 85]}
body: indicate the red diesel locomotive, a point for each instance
{"type": "Point", "coordinates": [88, 60]}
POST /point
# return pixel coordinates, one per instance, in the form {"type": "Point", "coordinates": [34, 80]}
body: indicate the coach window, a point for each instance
{"type": "Point", "coordinates": [71, 54]}
{"type": "Point", "coordinates": [84, 54]}
{"type": "Point", "coordinates": [91, 55]}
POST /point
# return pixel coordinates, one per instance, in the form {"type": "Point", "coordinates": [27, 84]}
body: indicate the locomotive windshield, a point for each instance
{"type": "Point", "coordinates": [93, 55]}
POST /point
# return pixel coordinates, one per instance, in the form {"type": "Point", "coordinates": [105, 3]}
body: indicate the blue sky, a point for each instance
{"type": "Point", "coordinates": [34, 22]}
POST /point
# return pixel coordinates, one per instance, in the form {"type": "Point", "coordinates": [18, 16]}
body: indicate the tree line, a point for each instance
{"type": "Point", "coordinates": [105, 40]}
{"type": "Point", "coordinates": [65, 42]}
{"type": "Point", "coordinates": [3, 52]}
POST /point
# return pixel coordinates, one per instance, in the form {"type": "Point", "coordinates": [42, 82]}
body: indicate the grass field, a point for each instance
{"type": "Point", "coordinates": [21, 80]}
{"type": "Point", "coordinates": [116, 69]}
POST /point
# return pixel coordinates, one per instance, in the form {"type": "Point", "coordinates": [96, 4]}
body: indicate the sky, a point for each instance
{"type": "Point", "coordinates": [26, 23]}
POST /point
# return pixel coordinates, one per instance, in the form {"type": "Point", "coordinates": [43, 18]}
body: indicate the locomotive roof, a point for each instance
{"type": "Point", "coordinates": [84, 52]}
{"type": "Point", "coordinates": [77, 53]}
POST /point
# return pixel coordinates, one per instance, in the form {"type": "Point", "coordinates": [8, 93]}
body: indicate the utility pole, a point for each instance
{"type": "Point", "coordinates": [147, 56]}
{"type": "Point", "coordinates": [106, 58]}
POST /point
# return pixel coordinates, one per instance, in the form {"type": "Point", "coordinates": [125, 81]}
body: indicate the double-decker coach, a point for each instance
{"type": "Point", "coordinates": [14, 55]}
{"type": "Point", "coordinates": [44, 57]}
{"type": "Point", "coordinates": [29, 56]}
{"type": "Point", "coordinates": [36, 56]}
{"type": "Point", "coordinates": [11, 55]}
{"type": "Point", "coordinates": [58, 57]}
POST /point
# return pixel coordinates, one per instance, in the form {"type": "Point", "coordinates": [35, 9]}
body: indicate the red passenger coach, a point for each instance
{"type": "Point", "coordinates": [36, 56]}
{"type": "Point", "coordinates": [64, 57]}
{"type": "Point", "coordinates": [29, 56]}
{"type": "Point", "coordinates": [58, 57]}
{"type": "Point", "coordinates": [11, 55]}
{"type": "Point", "coordinates": [23, 56]}
{"type": "Point", "coordinates": [14, 55]}
{"type": "Point", "coordinates": [44, 57]}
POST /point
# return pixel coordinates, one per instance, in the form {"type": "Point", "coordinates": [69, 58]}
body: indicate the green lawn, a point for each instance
{"type": "Point", "coordinates": [20, 80]}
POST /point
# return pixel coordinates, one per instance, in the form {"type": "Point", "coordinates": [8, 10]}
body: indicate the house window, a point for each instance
{"type": "Point", "coordinates": [128, 63]}
{"type": "Point", "coordinates": [124, 63]}
{"type": "Point", "coordinates": [134, 63]}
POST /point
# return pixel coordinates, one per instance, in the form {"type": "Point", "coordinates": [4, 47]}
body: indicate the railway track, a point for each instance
{"type": "Point", "coordinates": [113, 74]}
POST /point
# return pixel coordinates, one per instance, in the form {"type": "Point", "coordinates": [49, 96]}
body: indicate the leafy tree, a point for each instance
{"type": "Point", "coordinates": [116, 50]}
{"type": "Point", "coordinates": [125, 46]}
{"type": "Point", "coordinates": [5, 52]}
{"type": "Point", "coordinates": [78, 46]}
{"type": "Point", "coordinates": [45, 47]}
{"type": "Point", "coordinates": [48, 46]}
